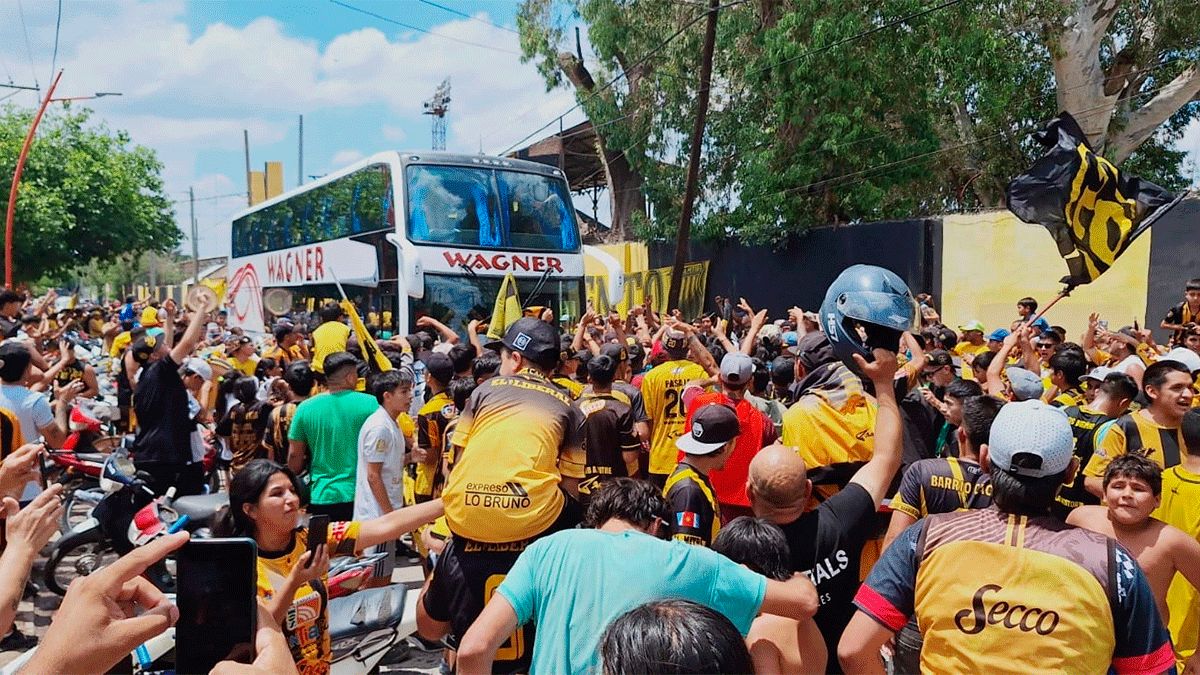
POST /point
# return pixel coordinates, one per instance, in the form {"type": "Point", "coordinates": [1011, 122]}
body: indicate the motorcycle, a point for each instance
{"type": "Point", "coordinates": [129, 515]}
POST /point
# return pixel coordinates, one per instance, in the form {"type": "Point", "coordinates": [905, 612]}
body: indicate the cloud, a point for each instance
{"type": "Point", "coordinates": [343, 157]}
{"type": "Point", "coordinates": [393, 133]}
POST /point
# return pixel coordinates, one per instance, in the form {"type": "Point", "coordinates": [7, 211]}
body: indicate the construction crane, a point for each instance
{"type": "Point", "coordinates": [437, 107]}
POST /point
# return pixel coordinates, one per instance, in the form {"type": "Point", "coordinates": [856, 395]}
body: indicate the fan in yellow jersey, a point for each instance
{"type": "Point", "coordinates": [971, 345]}
{"type": "Point", "coordinates": [662, 390]}
{"type": "Point", "coordinates": [1153, 431]}
{"type": "Point", "coordinates": [1004, 588]}
{"type": "Point", "coordinates": [432, 419]}
{"type": "Point", "coordinates": [1180, 508]}
{"type": "Point", "coordinates": [517, 446]}
{"type": "Point", "coordinates": [331, 336]}
{"type": "Point", "coordinates": [695, 511]}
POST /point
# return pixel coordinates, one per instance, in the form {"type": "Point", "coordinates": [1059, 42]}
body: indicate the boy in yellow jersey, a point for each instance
{"type": "Point", "coordinates": [1008, 588]}
{"type": "Point", "coordinates": [331, 336]}
{"type": "Point", "coordinates": [432, 419]}
{"type": "Point", "coordinates": [1180, 508]}
{"type": "Point", "coordinates": [1182, 318]}
{"type": "Point", "coordinates": [662, 390]}
{"type": "Point", "coordinates": [695, 511]}
{"type": "Point", "coordinates": [1153, 429]}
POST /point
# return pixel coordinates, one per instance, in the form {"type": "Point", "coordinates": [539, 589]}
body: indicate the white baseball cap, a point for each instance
{"type": "Point", "coordinates": [1031, 439]}
{"type": "Point", "coordinates": [200, 367]}
{"type": "Point", "coordinates": [1189, 358]}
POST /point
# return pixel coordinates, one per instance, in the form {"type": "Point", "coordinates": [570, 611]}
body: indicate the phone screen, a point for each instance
{"type": "Point", "coordinates": [218, 605]}
{"type": "Point", "coordinates": [318, 532]}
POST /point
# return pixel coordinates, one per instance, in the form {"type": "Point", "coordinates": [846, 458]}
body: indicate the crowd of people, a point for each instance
{"type": "Point", "coordinates": [857, 488]}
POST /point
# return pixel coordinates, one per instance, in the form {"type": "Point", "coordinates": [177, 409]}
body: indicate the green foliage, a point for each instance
{"type": "Point", "coordinates": [811, 124]}
{"type": "Point", "coordinates": [86, 194]}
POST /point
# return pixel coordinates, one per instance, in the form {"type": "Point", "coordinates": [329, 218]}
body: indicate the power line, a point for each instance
{"type": "Point", "coordinates": [57, 26]}
{"type": "Point", "coordinates": [212, 197]}
{"type": "Point", "coordinates": [28, 50]}
{"type": "Point", "coordinates": [467, 16]}
{"type": "Point", "coordinates": [620, 76]}
{"type": "Point", "coordinates": [419, 29]}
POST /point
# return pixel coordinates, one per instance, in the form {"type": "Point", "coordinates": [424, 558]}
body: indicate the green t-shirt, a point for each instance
{"type": "Point", "coordinates": [329, 424]}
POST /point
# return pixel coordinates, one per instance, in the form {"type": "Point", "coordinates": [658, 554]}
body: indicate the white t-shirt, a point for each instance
{"type": "Point", "coordinates": [33, 411]}
{"type": "Point", "coordinates": [379, 442]}
{"type": "Point", "coordinates": [1127, 362]}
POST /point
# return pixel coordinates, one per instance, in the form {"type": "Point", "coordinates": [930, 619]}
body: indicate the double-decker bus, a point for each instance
{"type": "Point", "coordinates": [409, 234]}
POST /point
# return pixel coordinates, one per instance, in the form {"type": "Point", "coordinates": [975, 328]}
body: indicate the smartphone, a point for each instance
{"type": "Point", "coordinates": [1103, 324]}
{"type": "Point", "coordinates": [318, 533]}
{"type": "Point", "coordinates": [218, 603]}
{"type": "Point", "coordinates": [43, 468]}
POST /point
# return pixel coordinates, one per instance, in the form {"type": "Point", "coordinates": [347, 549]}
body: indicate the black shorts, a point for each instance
{"type": "Point", "coordinates": [464, 579]}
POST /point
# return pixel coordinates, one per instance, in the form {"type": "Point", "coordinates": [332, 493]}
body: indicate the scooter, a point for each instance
{"type": "Point", "coordinates": [130, 515]}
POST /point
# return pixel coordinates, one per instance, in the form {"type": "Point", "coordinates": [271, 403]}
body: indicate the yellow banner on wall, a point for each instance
{"type": "Point", "coordinates": [640, 281]}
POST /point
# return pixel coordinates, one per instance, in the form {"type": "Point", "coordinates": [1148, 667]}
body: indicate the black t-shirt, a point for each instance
{"type": "Point", "coordinates": [164, 426]}
{"type": "Point", "coordinates": [1179, 315]}
{"type": "Point", "coordinates": [462, 582]}
{"type": "Point", "coordinates": [9, 327]}
{"type": "Point", "coordinates": [826, 544]}
{"type": "Point", "coordinates": [1084, 422]}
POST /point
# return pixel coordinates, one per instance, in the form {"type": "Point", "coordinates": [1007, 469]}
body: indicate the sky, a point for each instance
{"type": "Point", "coordinates": [194, 75]}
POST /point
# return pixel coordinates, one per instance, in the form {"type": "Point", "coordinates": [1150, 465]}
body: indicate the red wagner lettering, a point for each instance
{"type": "Point", "coordinates": [304, 266]}
{"type": "Point", "coordinates": [503, 261]}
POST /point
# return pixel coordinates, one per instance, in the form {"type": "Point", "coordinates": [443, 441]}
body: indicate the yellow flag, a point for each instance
{"type": "Point", "coordinates": [375, 359]}
{"type": "Point", "coordinates": [218, 287]}
{"type": "Point", "coordinates": [507, 309]}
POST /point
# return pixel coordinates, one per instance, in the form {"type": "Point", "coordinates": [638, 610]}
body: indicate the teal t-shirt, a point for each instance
{"type": "Point", "coordinates": [574, 583]}
{"type": "Point", "coordinates": [329, 424]}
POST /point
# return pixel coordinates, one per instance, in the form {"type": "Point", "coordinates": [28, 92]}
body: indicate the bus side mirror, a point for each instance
{"type": "Point", "coordinates": [412, 272]}
{"type": "Point", "coordinates": [615, 287]}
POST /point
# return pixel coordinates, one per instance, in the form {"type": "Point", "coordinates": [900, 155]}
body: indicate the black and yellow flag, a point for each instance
{"type": "Point", "coordinates": [1093, 212]}
{"type": "Point", "coordinates": [377, 362]}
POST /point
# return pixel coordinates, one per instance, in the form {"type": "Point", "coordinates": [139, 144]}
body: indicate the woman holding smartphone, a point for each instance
{"type": "Point", "coordinates": [265, 504]}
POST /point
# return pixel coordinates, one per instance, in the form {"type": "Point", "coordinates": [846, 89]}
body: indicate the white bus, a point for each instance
{"type": "Point", "coordinates": [410, 234]}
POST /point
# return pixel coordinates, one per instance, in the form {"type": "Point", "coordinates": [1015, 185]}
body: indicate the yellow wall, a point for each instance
{"type": "Point", "coordinates": [641, 281]}
{"type": "Point", "coordinates": [991, 260]}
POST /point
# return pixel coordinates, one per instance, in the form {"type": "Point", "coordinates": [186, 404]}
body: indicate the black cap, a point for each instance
{"type": "Point", "coordinates": [614, 351]}
{"type": "Point", "coordinates": [812, 350]}
{"type": "Point", "coordinates": [144, 346]}
{"type": "Point", "coordinates": [938, 358]}
{"type": "Point", "coordinates": [532, 338]}
{"type": "Point", "coordinates": [337, 361]}
{"type": "Point", "coordinates": [713, 426]}
{"type": "Point", "coordinates": [675, 342]}
{"type": "Point", "coordinates": [439, 366]}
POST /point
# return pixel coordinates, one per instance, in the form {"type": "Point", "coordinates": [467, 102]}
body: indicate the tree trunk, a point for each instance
{"type": "Point", "coordinates": [625, 196]}
{"type": "Point", "coordinates": [1080, 80]}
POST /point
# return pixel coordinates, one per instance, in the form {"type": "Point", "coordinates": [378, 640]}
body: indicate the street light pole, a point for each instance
{"type": "Point", "coordinates": [16, 184]}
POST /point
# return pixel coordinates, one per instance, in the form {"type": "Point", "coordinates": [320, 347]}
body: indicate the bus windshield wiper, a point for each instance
{"type": "Point", "coordinates": [541, 282]}
{"type": "Point", "coordinates": [467, 268]}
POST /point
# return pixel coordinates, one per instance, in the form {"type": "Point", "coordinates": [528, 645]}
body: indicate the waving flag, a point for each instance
{"type": "Point", "coordinates": [1093, 212]}
{"type": "Point", "coordinates": [507, 309]}
{"type": "Point", "coordinates": [375, 358]}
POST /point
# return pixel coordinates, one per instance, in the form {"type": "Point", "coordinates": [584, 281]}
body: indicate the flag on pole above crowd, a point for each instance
{"type": "Point", "coordinates": [377, 362]}
{"type": "Point", "coordinates": [1093, 212]}
{"type": "Point", "coordinates": [507, 309]}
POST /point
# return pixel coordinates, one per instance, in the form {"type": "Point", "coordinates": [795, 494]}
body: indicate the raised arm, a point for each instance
{"type": "Point", "coordinates": [756, 323]}
{"type": "Point", "coordinates": [995, 379]}
{"type": "Point", "coordinates": [876, 476]}
{"type": "Point", "coordinates": [396, 523]}
{"type": "Point", "coordinates": [191, 337]}
{"type": "Point", "coordinates": [442, 329]}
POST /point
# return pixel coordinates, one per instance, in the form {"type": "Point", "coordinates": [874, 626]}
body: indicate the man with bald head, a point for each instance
{"type": "Point", "coordinates": [826, 543]}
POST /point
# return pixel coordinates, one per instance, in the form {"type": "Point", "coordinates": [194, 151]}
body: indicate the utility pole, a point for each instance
{"type": "Point", "coordinates": [693, 174]}
{"type": "Point", "coordinates": [195, 246]}
{"type": "Point", "coordinates": [16, 183]}
{"type": "Point", "coordinates": [249, 187]}
{"type": "Point", "coordinates": [300, 170]}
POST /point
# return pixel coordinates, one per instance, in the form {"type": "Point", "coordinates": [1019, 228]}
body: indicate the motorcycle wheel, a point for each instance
{"type": "Point", "coordinates": [77, 507]}
{"type": "Point", "coordinates": [77, 555]}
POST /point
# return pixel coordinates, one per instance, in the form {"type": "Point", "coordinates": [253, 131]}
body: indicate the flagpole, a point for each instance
{"type": "Point", "coordinates": [1062, 294]}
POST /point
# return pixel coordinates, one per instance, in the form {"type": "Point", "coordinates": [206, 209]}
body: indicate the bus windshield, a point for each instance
{"type": "Point", "coordinates": [455, 300]}
{"type": "Point", "coordinates": [468, 206]}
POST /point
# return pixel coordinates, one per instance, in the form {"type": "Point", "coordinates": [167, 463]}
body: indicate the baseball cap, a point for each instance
{"type": "Point", "coordinates": [736, 368]}
{"type": "Point", "coordinates": [791, 338]}
{"type": "Point", "coordinates": [144, 346]}
{"type": "Point", "coordinates": [713, 426]}
{"type": "Point", "coordinates": [614, 351]}
{"type": "Point", "coordinates": [199, 367]}
{"type": "Point", "coordinates": [1183, 355]}
{"type": "Point", "coordinates": [1099, 373]}
{"type": "Point", "coordinates": [674, 341]}
{"type": "Point", "coordinates": [532, 338]}
{"type": "Point", "coordinates": [1026, 385]}
{"type": "Point", "coordinates": [973, 324]}
{"type": "Point", "coordinates": [813, 350]}
{"type": "Point", "coordinates": [938, 358]}
{"type": "Point", "coordinates": [1030, 439]}
{"type": "Point", "coordinates": [439, 366]}
{"type": "Point", "coordinates": [999, 334]}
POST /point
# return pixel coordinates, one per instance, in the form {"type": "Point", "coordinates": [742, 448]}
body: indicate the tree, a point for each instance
{"type": "Point", "coordinates": [87, 194]}
{"type": "Point", "coordinates": [834, 111]}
